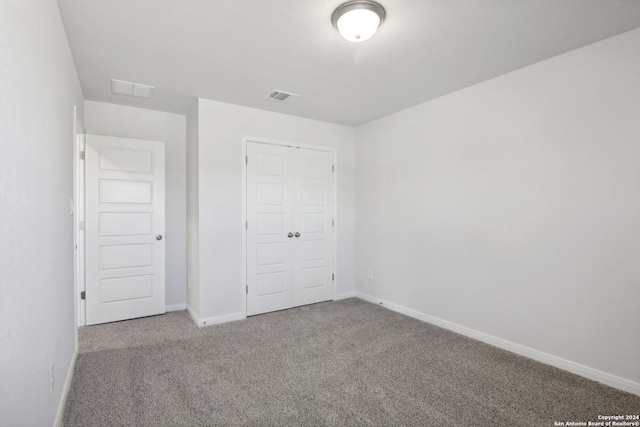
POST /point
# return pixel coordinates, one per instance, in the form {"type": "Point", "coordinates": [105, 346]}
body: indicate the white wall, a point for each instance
{"type": "Point", "coordinates": [38, 90]}
{"type": "Point", "coordinates": [193, 229]}
{"type": "Point", "coordinates": [129, 122]}
{"type": "Point", "coordinates": [513, 207]}
{"type": "Point", "coordinates": [221, 128]}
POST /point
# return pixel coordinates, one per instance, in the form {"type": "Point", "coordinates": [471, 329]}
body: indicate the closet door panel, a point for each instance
{"type": "Point", "coordinates": [270, 258]}
{"type": "Point", "coordinates": [313, 210]}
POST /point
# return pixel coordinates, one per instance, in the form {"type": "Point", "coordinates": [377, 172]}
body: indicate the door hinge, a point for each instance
{"type": "Point", "coordinates": [246, 160]}
{"type": "Point", "coordinates": [333, 168]}
{"type": "Point", "coordinates": [333, 222]}
{"type": "Point", "coordinates": [246, 225]}
{"type": "Point", "coordinates": [247, 289]}
{"type": "Point", "coordinates": [83, 295]}
{"type": "Point", "coordinates": [333, 276]}
{"type": "Point", "coordinates": [82, 155]}
{"type": "Point", "coordinates": [81, 225]}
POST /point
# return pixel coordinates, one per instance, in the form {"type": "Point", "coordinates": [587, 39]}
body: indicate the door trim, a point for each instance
{"type": "Point", "coordinates": [79, 139]}
{"type": "Point", "coordinates": [267, 141]}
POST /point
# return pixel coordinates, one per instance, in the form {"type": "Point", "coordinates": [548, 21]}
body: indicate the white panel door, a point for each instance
{"type": "Point", "coordinates": [290, 239]}
{"type": "Point", "coordinates": [125, 249]}
{"type": "Point", "coordinates": [313, 216]}
{"type": "Point", "coordinates": [270, 220]}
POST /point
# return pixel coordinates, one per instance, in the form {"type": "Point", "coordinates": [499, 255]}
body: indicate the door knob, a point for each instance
{"type": "Point", "coordinates": [290, 235]}
{"type": "Point", "coordinates": [159, 237]}
{"type": "Point", "coordinates": [297, 234]}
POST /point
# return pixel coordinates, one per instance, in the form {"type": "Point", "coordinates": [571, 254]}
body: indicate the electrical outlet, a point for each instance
{"type": "Point", "coordinates": [370, 274]}
{"type": "Point", "coordinates": [52, 376]}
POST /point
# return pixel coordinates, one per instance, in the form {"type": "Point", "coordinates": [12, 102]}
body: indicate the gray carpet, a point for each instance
{"type": "Point", "coordinates": [345, 363]}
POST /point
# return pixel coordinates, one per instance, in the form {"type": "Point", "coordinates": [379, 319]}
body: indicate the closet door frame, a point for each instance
{"type": "Point", "coordinates": [259, 140]}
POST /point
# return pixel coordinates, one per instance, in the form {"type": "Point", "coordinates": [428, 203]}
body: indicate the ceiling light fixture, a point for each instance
{"type": "Point", "coordinates": [357, 21]}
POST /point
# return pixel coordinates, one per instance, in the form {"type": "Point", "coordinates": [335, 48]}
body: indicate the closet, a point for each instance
{"type": "Point", "coordinates": [290, 246]}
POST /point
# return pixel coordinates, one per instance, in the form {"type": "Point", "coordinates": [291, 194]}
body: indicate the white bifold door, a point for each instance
{"type": "Point", "coordinates": [125, 245]}
{"type": "Point", "coordinates": [290, 238]}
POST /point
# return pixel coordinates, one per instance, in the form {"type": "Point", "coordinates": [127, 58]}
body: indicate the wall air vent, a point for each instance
{"type": "Point", "coordinates": [280, 96]}
{"type": "Point", "coordinates": [120, 87]}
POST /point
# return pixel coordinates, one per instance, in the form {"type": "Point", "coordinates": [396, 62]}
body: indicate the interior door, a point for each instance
{"type": "Point", "coordinates": [313, 224]}
{"type": "Point", "coordinates": [125, 245]}
{"type": "Point", "coordinates": [290, 239]}
{"type": "Point", "coordinates": [269, 223]}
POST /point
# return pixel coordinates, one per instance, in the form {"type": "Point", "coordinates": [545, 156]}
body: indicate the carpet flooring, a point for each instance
{"type": "Point", "coordinates": [343, 363]}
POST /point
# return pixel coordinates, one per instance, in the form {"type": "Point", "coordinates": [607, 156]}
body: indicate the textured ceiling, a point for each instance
{"type": "Point", "coordinates": [237, 51]}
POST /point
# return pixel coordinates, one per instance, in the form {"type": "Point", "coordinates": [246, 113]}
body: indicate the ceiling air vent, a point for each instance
{"type": "Point", "coordinates": [120, 87]}
{"type": "Point", "coordinates": [280, 96]}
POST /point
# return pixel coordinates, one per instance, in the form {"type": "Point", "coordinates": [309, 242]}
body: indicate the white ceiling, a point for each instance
{"type": "Point", "coordinates": [237, 51]}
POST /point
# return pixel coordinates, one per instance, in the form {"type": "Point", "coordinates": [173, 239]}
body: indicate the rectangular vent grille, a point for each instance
{"type": "Point", "coordinates": [280, 96]}
{"type": "Point", "coordinates": [138, 90]}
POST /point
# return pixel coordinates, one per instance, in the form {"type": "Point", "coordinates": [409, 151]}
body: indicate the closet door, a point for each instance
{"type": "Point", "coordinates": [313, 207]}
{"type": "Point", "coordinates": [269, 221]}
{"type": "Point", "coordinates": [290, 239]}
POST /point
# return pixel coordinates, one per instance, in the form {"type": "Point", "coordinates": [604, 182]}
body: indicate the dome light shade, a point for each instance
{"type": "Point", "coordinates": [357, 21]}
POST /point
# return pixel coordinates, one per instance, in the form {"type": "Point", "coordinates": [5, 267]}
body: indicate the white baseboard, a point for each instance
{"type": "Point", "coordinates": [65, 390]}
{"type": "Point", "coordinates": [175, 307]}
{"type": "Point", "coordinates": [214, 320]}
{"type": "Point", "coordinates": [345, 295]}
{"type": "Point", "coordinates": [567, 365]}
{"type": "Point", "coordinates": [193, 315]}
